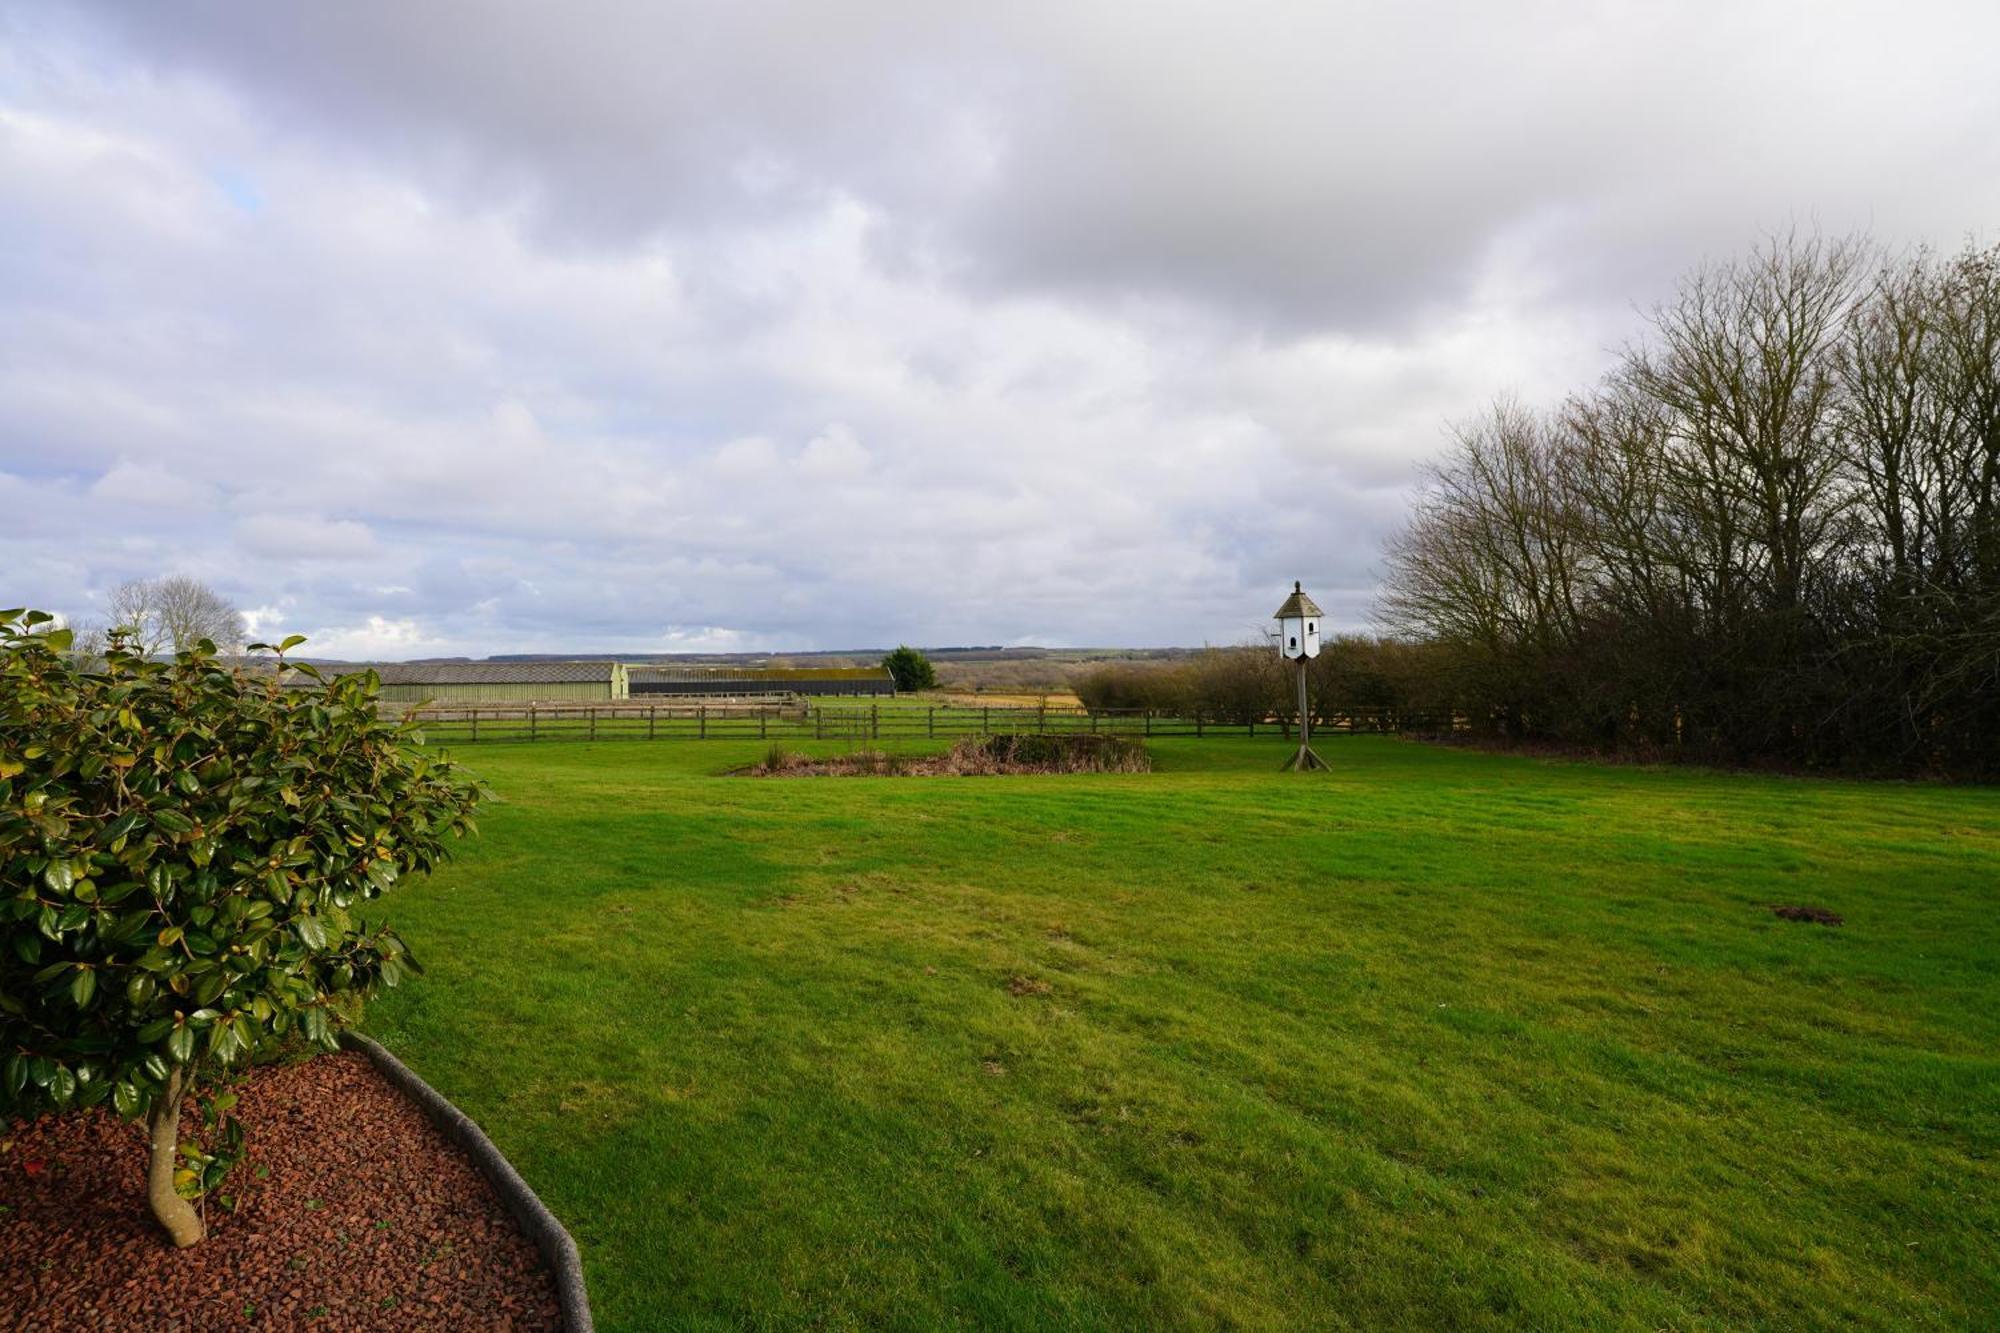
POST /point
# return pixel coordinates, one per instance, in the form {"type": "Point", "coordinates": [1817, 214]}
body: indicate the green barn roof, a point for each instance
{"type": "Point", "coordinates": [1298, 604]}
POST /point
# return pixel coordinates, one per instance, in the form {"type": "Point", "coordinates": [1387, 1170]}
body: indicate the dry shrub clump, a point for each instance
{"type": "Point", "coordinates": [974, 756]}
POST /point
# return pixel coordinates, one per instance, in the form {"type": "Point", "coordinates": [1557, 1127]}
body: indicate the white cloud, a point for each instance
{"type": "Point", "coordinates": [708, 639]}
{"type": "Point", "coordinates": [151, 486]}
{"type": "Point", "coordinates": [304, 537]}
{"type": "Point", "coordinates": [376, 638]}
{"type": "Point", "coordinates": [267, 623]}
{"type": "Point", "coordinates": [834, 454]}
{"type": "Point", "coordinates": [749, 460]}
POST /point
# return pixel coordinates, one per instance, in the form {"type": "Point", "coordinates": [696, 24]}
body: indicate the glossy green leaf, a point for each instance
{"type": "Point", "coordinates": [173, 867]}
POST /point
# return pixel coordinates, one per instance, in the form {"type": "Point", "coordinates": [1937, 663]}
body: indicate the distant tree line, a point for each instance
{"type": "Point", "coordinates": [1772, 533]}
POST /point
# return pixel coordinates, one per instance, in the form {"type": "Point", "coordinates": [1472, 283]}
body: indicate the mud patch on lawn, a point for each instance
{"type": "Point", "coordinates": [970, 757]}
{"type": "Point", "coordinates": [1819, 915]}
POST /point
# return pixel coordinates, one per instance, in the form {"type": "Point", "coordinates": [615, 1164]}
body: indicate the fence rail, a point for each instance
{"type": "Point", "coordinates": [467, 723]}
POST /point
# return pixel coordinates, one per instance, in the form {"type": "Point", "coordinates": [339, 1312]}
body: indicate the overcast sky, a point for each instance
{"type": "Point", "coordinates": [465, 328]}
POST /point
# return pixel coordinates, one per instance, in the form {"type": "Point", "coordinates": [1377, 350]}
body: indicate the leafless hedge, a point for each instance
{"type": "Point", "coordinates": [1252, 683]}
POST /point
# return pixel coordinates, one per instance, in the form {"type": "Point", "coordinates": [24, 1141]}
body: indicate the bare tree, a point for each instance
{"type": "Point", "coordinates": [1968, 319]}
{"type": "Point", "coordinates": [1742, 371]}
{"type": "Point", "coordinates": [1773, 532]}
{"type": "Point", "coordinates": [1920, 366]}
{"type": "Point", "coordinates": [131, 609]}
{"type": "Point", "coordinates": [176, 612]}
{"type": "Point", "coordinates": [1616, 469]}
{"type": "Point", "coordinates": [1891, 416]}
{"type": "Point", "coordinates": [89, 640]}
{"type": "Point", "coordinates": [1494, 554]}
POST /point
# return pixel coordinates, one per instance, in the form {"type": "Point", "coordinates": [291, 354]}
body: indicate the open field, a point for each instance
{"type": "Point", "coordinates": [1053, 697]}
{"type": "Point", "coordinates": [1437, 1039]}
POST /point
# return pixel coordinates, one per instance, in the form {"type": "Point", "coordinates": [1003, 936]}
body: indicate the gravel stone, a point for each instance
{"type": "Point", "coordinates": [368, 1218]}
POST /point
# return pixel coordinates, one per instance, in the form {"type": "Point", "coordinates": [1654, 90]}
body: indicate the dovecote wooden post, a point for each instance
{"type": "Point", "coordinates": [1298, 640]}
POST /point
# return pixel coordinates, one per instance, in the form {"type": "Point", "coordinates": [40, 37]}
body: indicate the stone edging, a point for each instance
{"type": "Point", "coordinates": [558, 1251]}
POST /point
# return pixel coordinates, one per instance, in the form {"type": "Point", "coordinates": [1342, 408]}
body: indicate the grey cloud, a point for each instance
{"type": "Point", "coordinates": [455, 327]}
{"type": "Point", "coordinates": [1301, 166]}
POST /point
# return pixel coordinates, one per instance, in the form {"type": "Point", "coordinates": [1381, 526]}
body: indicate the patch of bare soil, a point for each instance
{"type": "Point", "coordinates": [353, 1212]}
{"type": "Point", "coordinates": [1817, 914]}
{"type": "Point", "coordinates": [972, 756]}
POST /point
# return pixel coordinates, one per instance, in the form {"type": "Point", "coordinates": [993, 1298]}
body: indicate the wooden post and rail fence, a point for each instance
{"type": "Point", "coordinates": [800, 720]}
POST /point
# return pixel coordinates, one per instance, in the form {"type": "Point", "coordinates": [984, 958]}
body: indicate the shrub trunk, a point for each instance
{"type": "Point", "coordinates": [173, 1212]}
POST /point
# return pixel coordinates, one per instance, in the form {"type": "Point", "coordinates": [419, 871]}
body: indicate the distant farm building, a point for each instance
{"type": "Point", "coordinates": [750, 681]}
{"type": "Point", "coordinates": [600, 681]}
{"type": "Point", "coordinates": [491, 682]}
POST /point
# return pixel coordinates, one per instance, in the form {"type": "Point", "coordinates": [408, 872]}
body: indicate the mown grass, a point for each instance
{"type": "Point", "coordinates": [1437, 1039]}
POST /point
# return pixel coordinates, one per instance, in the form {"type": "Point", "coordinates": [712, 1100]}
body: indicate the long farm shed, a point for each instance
{"type": "Point", "coordinates": [491, 682]}
{"type": "Point", "coordinates": [754, 681]}
{"type": "Point", "coordinates": [603, 681]}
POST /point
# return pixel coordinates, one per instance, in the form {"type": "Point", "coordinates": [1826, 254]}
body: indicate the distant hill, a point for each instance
{"type": "Point", "coordinates": [840, 656]}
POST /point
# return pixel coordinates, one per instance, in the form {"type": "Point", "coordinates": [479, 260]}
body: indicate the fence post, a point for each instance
{"type": "Point", "coordinates": [1149, 721]}
{"type": "Point", "coordinates": [701, 724]}
{"type": "Point", "coordinates": [1042, 718]}
{"type": "Point", "coordinates": [593, 724]}
{"type": "Point", "coordinates": [819, 724]}
{"type": "Point", "coordinates": [652, 720]}
{"type": "Point", "coordinates": [475, 724]}
{"type": "Point", "coordinates": [1197, 722]}
{"type": "Point", "coordinates": [531, 722]}
{"type": "Point", "coordinates": [986, 720]}
{"type": "Point", "coordinates": [874, 722]}
{"type": "Point", "coordinates": [1093, 724]}
{"type": "Point", "coordinates": [930, 720]}
{"type": "Point", "coordinates": [763, 722]}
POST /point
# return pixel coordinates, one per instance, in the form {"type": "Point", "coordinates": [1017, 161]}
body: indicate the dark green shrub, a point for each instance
{"type": "Point", "coordinates": [185, 853]}
{"type": "Point", "coordinates": [912, 670]}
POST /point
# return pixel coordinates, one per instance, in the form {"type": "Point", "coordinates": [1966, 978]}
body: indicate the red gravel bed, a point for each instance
{"type": "Point", "coordinates": [366, 1217]}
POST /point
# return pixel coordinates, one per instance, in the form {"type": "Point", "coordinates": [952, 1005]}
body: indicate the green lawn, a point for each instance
{"type": "Point", "coordinates": [1438, 1039]}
